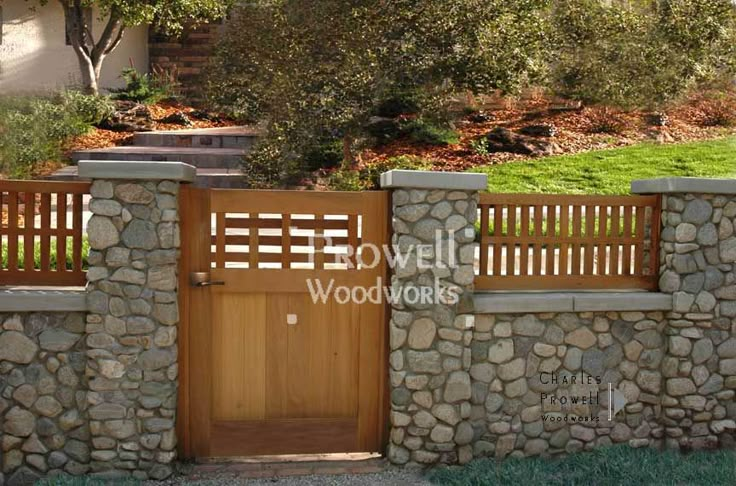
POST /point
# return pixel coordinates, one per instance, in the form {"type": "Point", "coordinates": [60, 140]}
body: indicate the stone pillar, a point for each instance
{"type": "Point", "coordinates": [433, 217]}
{"type": "Point", "coordinates": [697, 255]}
{"type": "Point", "coordinates": [133, 315]}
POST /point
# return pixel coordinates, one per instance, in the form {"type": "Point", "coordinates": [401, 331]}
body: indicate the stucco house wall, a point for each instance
{"type": "Point", "coordinates": [34, 55]}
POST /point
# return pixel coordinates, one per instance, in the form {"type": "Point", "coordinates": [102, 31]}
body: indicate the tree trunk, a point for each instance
{"type": "Point", "coordinates": [91, 54]}
{"type": "Point", "coordinates": [89, 76]}
{"type": "Point", "coordinates": [348, 160]}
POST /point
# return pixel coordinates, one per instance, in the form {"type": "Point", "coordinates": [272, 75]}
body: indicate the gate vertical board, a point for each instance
{"type": "Point", "coordinates": [265, 369]}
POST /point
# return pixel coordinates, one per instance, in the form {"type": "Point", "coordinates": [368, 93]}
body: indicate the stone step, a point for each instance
{"type": "Point", "coordinates": [206, 158]}
{"type": "Point", "coordinates": [225, 137]}
{"type": "Point", "coordinates": [218, 178]}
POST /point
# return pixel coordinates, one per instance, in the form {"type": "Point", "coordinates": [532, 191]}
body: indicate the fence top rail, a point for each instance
{"type": "Point", "coordinates": [488, 199]}
{"type": "Point", "coordinates": [68, 187]}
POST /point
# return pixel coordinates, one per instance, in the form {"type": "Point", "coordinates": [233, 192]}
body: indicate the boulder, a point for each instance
{"type": "Point", "coordinates": [504, 140]}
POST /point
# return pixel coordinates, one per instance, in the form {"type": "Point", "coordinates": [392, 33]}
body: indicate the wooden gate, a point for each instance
{"type": "Point", "coordinates": [263, 368]}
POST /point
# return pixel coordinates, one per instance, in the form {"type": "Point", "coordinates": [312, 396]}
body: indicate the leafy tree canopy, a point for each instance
{"type": "Point", "coordinates": [319, 69]}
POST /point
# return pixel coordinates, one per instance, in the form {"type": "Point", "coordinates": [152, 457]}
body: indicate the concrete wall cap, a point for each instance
{"type": "Point", "coordinates": [140, 170]}
{"type": "Point", "coordinates": [693, 185]}
{"type": "Point", "coordinates": [42, 300]}
{"type": "Point", "coordinates": [458, 181]}
{"type": "Point", "coordinates": [528, 302]}
{"type": "Point", "coordinates": [513, 302]}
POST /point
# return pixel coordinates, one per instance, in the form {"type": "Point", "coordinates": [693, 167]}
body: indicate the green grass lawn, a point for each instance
{"type": "Point", "coordinates": [618, 465]}
{"type": "Point", "coordinates": [611, 171]}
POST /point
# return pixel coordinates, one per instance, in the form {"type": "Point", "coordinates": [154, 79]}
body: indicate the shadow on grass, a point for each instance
{"type": "Point", "coordinates": [616, 465]}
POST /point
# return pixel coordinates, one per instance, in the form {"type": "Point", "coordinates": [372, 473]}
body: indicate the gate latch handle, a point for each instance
{"type": "Point", "coordinates": [202, 279]}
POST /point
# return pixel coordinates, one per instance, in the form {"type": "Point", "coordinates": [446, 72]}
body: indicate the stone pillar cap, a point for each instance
{"type": "Point", "coordinates": [681, 185]}
{"type": "Point", "coordinates": [139, 170]}
{"type": "Point", "coordinates": [420, 179]}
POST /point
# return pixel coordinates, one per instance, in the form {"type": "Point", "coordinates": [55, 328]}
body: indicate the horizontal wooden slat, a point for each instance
{"type": "Point", "coordinates": [568, 282]}
{"type": "Point", "coordinates": [566, 199]}
{"type": "Point", "coordinates": [45, 186]}
{"type": "Point", "coordinates": [244, 257]}
{"type": "Point", "coordinates": [291, 202]}
{"type": "Point", "coordinates": [272, 223]}
{"type": "Point", "coordinates": [37, 277]}
{"type": "Point", "coordinates": [268, 240]}
{"type": "Point", "coordinates": [284, 436]}
{"type": "Point", "coordinates": [557, 240]}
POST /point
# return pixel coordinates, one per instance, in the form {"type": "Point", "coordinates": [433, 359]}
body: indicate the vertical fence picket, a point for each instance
{"type": "Point", "coordinates": [353, 240]}
{"type": "Point", "coordinates": [61, 226]}
{"type": "Point", "coordinates": [29, 223]}
{"type": "Point", "coordinates": [524, 238]}
{"type": "Point", "coordinates": [589, 240]}
{"type": "Point", "coordinates": [551, 237]}
{"type": "Point", "coordinates": [626, 257]}
{"type": "Point", "coordinates": [602, 238]}
{"type": "Point", "coordinates": [615, 235]}
{"type": "Point", "coordinates": [577, 247]}
{"type": "Point", "coordinates": [537, 249]}
{"type": "Point", "coordinates": [483, 260]}
{"type": "Point", "coordinates": [220, 239]}
{"type": "Point", "coordinates": [601, 242]}
{"type": "Point", "coordinates": [639, 238]}
{"type": "Point", "coordinates": [498, 247]}
{"type": "Point", "coordinates": [77, 216]}
{"type": "Point", "coordinates": [319, 242]}
{"type": "Point", "coordinates": [12, 231]}
{"type": "Point", "coordinates": [45, 210]}
{"type": "Point", "coordinates": [564, 233]}
{"type": "Point", "coordinates": [253, 243]}
{"type": "Point", "coordinates": [511, 246]}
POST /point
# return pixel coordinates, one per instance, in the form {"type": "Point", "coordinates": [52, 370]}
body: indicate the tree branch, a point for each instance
{"type": "Point", "coordinates": [76, 35]}
{"type": "Point", "coordinates": [117, 40]}
{"type": "Point", "coordinates": [110, 37]}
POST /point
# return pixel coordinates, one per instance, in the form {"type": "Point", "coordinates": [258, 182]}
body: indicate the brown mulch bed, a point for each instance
{"type": "Point", "coordinates": [98, 138]}
{"type": "Point", "coordinates": [573, 132]}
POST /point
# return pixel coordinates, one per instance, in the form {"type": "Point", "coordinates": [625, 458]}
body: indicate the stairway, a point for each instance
{"type": "Point", "coordinates": [216, 153]}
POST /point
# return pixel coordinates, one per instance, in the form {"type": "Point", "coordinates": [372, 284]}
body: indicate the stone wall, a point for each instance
{"type": "Point", "coordinates": [131, 326]}
{"type": "Point", "coordinates": [697, 267]}
{"type": "Point", "coordinates": [429, 337]}
{"type": "Point", "coordinates": [540, 381]}
{"type": "Point", "coordinates": [500, 384]}
{"type": "Point", "coordinates": [43, 398]}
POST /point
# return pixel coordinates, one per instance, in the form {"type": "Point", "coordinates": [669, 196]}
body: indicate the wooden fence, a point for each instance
{"type": "Point", "coordinates": [41, 233]}
{"type": "Point", "coordinates": [541, 241]}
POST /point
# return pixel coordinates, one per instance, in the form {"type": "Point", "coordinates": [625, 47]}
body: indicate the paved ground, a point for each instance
{"type": "Point", "coordinates": [304, 471]}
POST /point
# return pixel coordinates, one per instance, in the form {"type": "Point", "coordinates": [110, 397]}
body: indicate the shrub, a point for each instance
{"type": "Point", "coordinates": [285, 64]}
{"type": "Point", "coordinates": [324, 155]}
{"type": "Point", "coordinates": [268, 166]}
{"type": "Point", "coordinates": [480, 146]}
{"type": "Point", "coordinates": [368, 177]}
{"type": "Point", "coordinates": [90, 109]}
{"type": "Point", "coordinates": [423, 131]}
{"type": "Point", "coordinates": [142, 88]}
{"type": "Point", "coordinates": [401, 102]}
{"type": "Point", "coordinates": [33, 129]}
{"type": "Point", "coordinates": [640, 54]}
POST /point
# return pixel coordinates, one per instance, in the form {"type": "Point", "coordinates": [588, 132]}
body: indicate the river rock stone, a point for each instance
{"type": "Point", "coordinates": [16, 347]}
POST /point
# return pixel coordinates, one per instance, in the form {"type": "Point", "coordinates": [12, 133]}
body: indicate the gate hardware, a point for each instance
{"type": "Point", "coordinates": [202, 279]}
